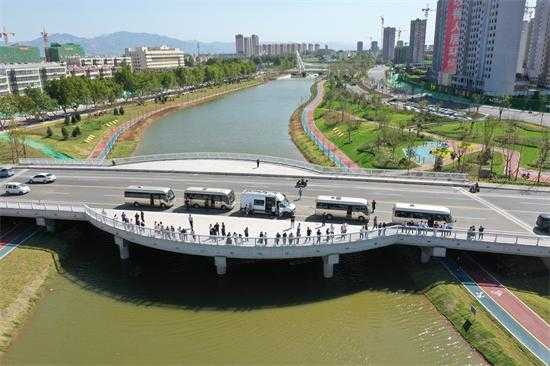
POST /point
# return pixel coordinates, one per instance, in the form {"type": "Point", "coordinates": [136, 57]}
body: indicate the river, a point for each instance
{"type": "Point", "coordinates": [164, 308]}
{"type": "Point", "coordinates": [251, 121]}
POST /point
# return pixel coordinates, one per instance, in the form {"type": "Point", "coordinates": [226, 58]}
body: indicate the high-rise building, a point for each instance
{"type": "Point", "coordinates": [57, 52]}
{"type": "Point", "coordinates": [388, 46]}
{"type": "Point", "coordinates": [417, 41]}
{"type": "Point", "coordinates": [247, 46]}
{"type": "Point", "coordinates": [359, 46]}
{"type": "Point", "coordinates": [239, 44]}
{"type": "Point", "coordinates": [401, 53]}
{"type": "Point", "coordinates": [317, 47]}
{"type": "Point", "coordinates": [162, 57]}
{"type": "Point", "coordinates": [254, 45]}
{"type": "Point", "coordinates": [538, 62]}
{"type": "Point", "coordinates": [310, 47]}
{"type": "Point", "coordinates": [523, 47]}
{"type": "Point", "coordinates": [16, 54]}
{"type": "Point", "coordinates": [476, 44]}
{"type": "Point", "coordinates": [374, 47]}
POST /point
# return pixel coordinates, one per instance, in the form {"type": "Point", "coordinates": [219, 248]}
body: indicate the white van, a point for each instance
{"type": "Point", "coordinates": [271, 203]}
{"type": "Point", "coordinates": [407, 213]}
{"type": "Point", "coordinates": [17, 188]}
{"type": "Point", "coordinates": [351, 208]}
{"type": "Point", "coordinates": [149, 196]}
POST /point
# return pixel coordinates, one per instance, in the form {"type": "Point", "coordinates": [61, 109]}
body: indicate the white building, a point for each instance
{"type": "Point", "coordinates": [23, 76]}
{"type": "Point", "coordinates": [538, 63]}
{"type": "Point", "coordinates": [156, 58]}
{"type": "Point", "coordinates": [4, 84]}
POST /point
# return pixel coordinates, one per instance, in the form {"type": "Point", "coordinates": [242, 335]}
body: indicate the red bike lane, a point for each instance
{"type": "Point", "coordinates": [524, 315]}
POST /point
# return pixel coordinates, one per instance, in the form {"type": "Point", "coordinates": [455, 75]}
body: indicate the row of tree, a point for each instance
{"type": "Point", "coordinates": [70, 92]}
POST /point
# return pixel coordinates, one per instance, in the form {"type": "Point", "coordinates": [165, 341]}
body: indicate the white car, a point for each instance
{"type": "Point", "coordinates": [43, 178]}
{"type": "Point", "coordinates": [17, 188]}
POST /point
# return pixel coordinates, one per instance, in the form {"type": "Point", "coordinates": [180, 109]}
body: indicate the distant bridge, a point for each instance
{"type": "Point", "coordinates": [302, 69]}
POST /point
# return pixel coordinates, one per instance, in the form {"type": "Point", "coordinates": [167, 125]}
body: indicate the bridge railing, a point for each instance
{"type": "Point", "coordinates": [388, 173]}
{"type": "Point", "coordinates": [41, 206]}
{"type": "Point", "coordinates": [323, 239]}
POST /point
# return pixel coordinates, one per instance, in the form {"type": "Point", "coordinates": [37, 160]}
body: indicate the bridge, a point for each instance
{"type": "Point", "coordinates": [92, 193]}
{"type": "Point", "coordinates": [302, 69]}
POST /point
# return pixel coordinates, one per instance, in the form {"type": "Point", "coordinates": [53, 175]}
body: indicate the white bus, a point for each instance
{"type": "Point", "coordinates": [411, 213]}
{"type": "Point", "coordinates": [350, 208]}
{"type": "Point", "coordinates": [149, 196]}
{"type": "Point", "coordinates": [271, 203]}
{"type": "Point", "coordinates": [209, 198]}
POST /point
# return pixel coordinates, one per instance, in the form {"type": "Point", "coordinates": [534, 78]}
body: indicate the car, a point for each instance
{"type": "Point", "coordinates": [543, 222]}
{"type": "Point", "coordinates": [17, 188]}
{"type": "Point", "coordinates": [6, 171]}
{"type": "Point", "coordinates": [43, 178]}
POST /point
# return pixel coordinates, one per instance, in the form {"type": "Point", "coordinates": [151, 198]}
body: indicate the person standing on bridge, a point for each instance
{"type": "Point", "coordinates": [480, 232]}
{"type": "Point", "coordinates": [257, 163]}
{"type": "Point", "coordinates": [308, 234]}
{"type": "Point", "coordinates": [300, 192]}
{"type": "Point", "coordinates": [142, 216]}
{"type": "Point", "coordinates": [190, 218]}
{"type": "Point", "coordinates": [373, 205]}
{"type": "Point", "coordinates": [246, 234]}
{"type": "Point", "coordinates": [375, 222]}
{"type": "Point", "coordinates": [136, 216]}
{"type": "Point", "coordinates": [292, 220]}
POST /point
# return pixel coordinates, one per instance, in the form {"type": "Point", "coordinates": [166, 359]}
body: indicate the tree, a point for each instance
{"type": "Point", "coordinates": [487, 138]}
{"type": "Point", "coordinates": [8, 109]}
{"type": "Point", "coordinates": [476, 101]}
{"type": "Point", "coordinates": [76, 131]}
{"type": "Point", "coordinates": [544, 153]}
{"type": "Point", "coordinates": [65, 133]}
{"type": "Point", "coordinates": [503, 103]}
{"type": "Point", "coordinates": [121, 111]}
{"type": "Point", "coordinates": [98, 91]}
{"type": "Point", "coordinates": [509, 140]}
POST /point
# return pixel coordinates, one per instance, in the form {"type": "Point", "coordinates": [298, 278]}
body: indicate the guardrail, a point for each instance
{"type": "Point", "coordinates": [323, 239]}
{"type": "Point", "coordinates": [390, 173]}
{"type": "Point", "coordinates": [41, 206]}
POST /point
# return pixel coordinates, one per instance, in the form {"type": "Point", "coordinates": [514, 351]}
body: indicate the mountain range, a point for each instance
{"type": "Point", "coordinates": [113, 44]}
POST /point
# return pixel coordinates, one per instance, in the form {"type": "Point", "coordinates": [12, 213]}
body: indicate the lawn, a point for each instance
{"type": "Point", "coordinates": [528, 137]}
{"type": "Point", "coordinates": [471, 167]}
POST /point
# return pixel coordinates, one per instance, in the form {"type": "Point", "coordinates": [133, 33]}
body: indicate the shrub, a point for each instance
{"type": "Point", "coordinates": [67, 120]}
{"type": "Point", "coordinates": [115, 112]}
{"type": "Point", "coordinates": [76, 131]}
{"type": "Point", "coordinates": [121, 111]}
{"type": "Point", "coordinates": [73, 119]}
{"type": "Point", "coordinates": [77, 117]}
{"type": "Point", "coordinates": [65, 133]}
{"type": "Point", "coordinates": [49, 132]}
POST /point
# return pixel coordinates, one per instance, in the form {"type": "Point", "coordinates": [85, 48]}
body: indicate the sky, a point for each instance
{"type": "Point", "coordinates": [217, 20]}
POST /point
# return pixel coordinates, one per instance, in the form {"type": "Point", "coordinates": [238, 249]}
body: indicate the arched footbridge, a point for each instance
{"type": "Point", "coordinates": [432, 242]}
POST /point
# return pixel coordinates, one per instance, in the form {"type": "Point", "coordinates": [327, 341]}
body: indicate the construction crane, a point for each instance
{"type": "Point", "coordinates": [426, 11]}
{"type": "Point", "coordinates": [381, 29]}
{"type": "Point", "coordinates": [529, 11]}
{"type": "Point", "coordinates": [6, 35]}
{"type": "Point", "coordinates": [399, 34]}
{"type": "Point", "coordinates": [44, 35]}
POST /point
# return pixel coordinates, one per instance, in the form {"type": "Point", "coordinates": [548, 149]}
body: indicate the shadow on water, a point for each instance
{"type": "Point", "coordinates": [156, 278]}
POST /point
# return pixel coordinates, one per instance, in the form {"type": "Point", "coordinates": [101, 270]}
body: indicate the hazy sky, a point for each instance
{"type": "Point", "coordinates": [216, 20]}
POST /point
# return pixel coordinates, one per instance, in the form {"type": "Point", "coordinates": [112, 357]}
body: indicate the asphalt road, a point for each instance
{"type": "Point", "coordinates": [499, 210]}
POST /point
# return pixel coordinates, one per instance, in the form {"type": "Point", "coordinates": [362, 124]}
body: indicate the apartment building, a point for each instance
{"type": "Point", "coordinates": [239, 44]}
{"type": "Point", "coordinates": [538, 59]}
{"type": "Point", "coordinates": [417, 42]}
{"type": "Point", "coordinates": [476, 45]}
{"type": "Point", "coordinates": [155, 58]}
{"type": "Point", "coordinates": [388, 46]}
{"type": "Point", "coordinates": [4, 83]}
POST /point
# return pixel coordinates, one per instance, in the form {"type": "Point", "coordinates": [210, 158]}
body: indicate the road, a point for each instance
{"type": "Point", "coordinates": [500, 210]}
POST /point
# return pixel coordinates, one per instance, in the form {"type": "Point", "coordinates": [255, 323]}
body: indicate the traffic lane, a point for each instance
{"type": "Point", "coordinates": [466, 213]}
{"type": "Point", "coordinates": [526, 209]}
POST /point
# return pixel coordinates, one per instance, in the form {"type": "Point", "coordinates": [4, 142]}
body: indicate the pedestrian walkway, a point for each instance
{"type": "Point", "coordinates": [233, 224]}
{"type": "Point", "coordinates": [220, 166]}
{"type": "Point", "coordinates": [14, 237]}
{"type": "Point", "coordinates": [503, 306]}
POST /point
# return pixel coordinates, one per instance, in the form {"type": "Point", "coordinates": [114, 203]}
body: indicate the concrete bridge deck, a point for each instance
{"type": "Point", "coordinates": [329, 247]}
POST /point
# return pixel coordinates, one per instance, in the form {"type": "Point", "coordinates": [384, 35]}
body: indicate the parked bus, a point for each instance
{"type": "Point", "coordinates": [350, 208]}
{"type": "Point", "coordinates": [149, 196]}
{"type": "Point", "coordinates": [209, 198]}
{"type": "Point", "coordinates": [271, 203]}
{"type": "Point", "coordinates": [411, 213]}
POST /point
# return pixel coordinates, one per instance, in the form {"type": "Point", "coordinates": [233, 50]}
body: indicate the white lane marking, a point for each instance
{"type": "Point", "coordinates": [498, 210]}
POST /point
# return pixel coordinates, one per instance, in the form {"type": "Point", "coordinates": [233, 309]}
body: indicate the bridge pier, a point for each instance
{"type": "Point", "coordinates": [123, 248]}
{"type": "Point", "coordinates": [427, 252]}
{"type": "Point", "coordinates": [328, 264]}
{"type": "Point", "coordinates": [221, 265]}
{"type": "Point", "coordinates": [47, 223]}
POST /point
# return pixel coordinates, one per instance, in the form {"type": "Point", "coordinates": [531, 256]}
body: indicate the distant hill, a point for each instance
{"type": "Point", "coordinates": [113, 44]}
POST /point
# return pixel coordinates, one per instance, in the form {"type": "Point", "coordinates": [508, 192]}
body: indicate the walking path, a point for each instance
{"type": "Point", "coordinates": [14, 237]}
{"type": "Point", "coordinates": [504, 308]}
{"type": "Point", "coordinates": [310, 120]}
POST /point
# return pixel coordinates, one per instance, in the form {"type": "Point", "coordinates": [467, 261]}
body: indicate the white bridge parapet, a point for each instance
{"type": "Point", "coordinates": [273, 248]}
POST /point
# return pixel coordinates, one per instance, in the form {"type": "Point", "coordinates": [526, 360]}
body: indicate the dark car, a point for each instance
{"type": "Point", "coordinates": [543, 222]}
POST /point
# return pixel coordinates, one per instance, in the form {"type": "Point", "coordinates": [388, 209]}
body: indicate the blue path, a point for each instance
{"type": "Point", "coordinates": [507, 321]}
{"type": "Point", "coordinates": [19, 236]}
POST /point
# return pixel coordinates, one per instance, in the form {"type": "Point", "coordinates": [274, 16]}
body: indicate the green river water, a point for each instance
{"type": "Point", "coordinates": [163, 308]}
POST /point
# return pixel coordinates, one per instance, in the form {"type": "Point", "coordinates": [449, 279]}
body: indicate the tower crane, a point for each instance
{"type": "Point", "coordinates": [381, 29]}
{"type": "Point", "coordinates": [529, 11]}
{"type": "Point", "coordinates": [44, 35]}
{"type": "Point", "coordinates": [426, 11]}
{"type": "Point", "coordinates": [6, 35]}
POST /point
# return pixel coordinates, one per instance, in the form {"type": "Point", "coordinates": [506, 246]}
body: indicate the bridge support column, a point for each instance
{"type": "Point", "coordinates": [221, 265]}
{"type": "Point", "coordinates": [546, 262]}
{"type": "Point", "coordinates": [123, 248]}
{"type": "Point", "coordinates": [328, 264]}
{"type": "Point", "coordinates": [47, 223]}
{"type": "Point", "coordinates": [425, 254]}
